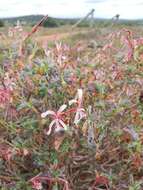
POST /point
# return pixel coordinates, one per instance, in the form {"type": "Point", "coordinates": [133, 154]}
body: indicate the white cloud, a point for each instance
{"type": "Point", "coordinates": [131, 9]}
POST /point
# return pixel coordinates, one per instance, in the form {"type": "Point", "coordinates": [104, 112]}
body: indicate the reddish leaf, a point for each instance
{"type": "Point", "coordinates": [101, 180]}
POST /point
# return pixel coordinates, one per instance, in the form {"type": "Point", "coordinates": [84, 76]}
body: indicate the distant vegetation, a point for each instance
{"type": "Point", "coordinates": [28, 20]}
{"type": "Point", "coordinates": [51, 22]}
{"type": "Point", "coordinates": [56, 22]}
{"type": "Point", "coordinates": [33, 19]}
{"type": "Point", "coordinates": [1, 23]}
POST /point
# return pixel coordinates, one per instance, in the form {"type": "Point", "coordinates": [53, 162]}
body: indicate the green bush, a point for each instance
{"type": "Point", "coordinates": [51, 22]}
{"type": "Point", "coordinates": [1, 23]}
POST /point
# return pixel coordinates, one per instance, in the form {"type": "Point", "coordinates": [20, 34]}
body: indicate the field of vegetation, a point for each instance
{"type": "Point", "coordinates": [71, 108]}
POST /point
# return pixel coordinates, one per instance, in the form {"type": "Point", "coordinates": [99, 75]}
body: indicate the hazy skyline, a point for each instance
{"type": "Point", "coordinates": [129, 9]}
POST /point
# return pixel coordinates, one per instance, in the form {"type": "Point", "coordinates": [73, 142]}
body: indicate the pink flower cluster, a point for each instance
{"type": "Point", "coordinates": [5, 96]}
{"type": "Point", "coordinates": [58, 117]}
{"type": "Point", "coordinates": [40, 178]}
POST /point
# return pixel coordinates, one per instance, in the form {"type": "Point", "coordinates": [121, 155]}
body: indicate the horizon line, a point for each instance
{"type": "Point", "coordinates": [10, 17]}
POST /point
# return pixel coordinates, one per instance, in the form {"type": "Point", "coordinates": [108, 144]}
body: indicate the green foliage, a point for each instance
{"type": "Point", "coordinates": [1, 23]}
{"type": "Point", "coordinates": [44, 79]}
{"type": "Point", "coordinates": [135, 186]}
{"type": "Point", "coordinates": [65, 147]}
{"type": "Point", "coordinates": [51, 22]}
{"type": "Point", "coordinates": [84, 24]}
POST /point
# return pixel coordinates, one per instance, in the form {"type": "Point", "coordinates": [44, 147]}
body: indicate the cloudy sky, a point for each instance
{"type": "Point", "coordinates": [130, 9]}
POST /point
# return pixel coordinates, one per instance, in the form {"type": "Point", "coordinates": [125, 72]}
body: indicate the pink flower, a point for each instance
{"type": "Point", "coordinates": [36, 184]}
{"type": "Point", "coordinates": [6, 153]}
{"type": "Point", "coordinates": [4, 96]}
{"type": "Point", "coordinates": [80, 112]}
{"type": "Point", "coordinates": [57, 122]}
{"type": "Point", "coordinates": [37, 181]}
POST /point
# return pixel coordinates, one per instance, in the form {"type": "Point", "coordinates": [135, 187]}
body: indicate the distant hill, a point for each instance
{"type": "Point", "coordinates": [31, 20]}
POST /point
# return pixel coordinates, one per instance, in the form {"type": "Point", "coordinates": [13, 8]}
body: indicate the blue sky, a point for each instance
{"type": "Point", "coordinates": [130, 9]}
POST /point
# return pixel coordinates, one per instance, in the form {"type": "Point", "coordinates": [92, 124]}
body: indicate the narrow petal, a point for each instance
{"type": "Point", "coordinates": [79, 97]}
{"type": "Point", "coordinates": [49, 112]}
{"type": "Point", "coordinates": [81, 109]}
{"type": "Point", "coordinates": [72, 102]}
{"type": "Point", "coordinates": [79, 93]}
{"type": "Point", "coordinates": [77, 118]}
{"type": "Point", "coordinates": [50, 127]}
{"type": "Point", "coordinates": [57, 126]}
{"type": "Point", "coordinates": [63, 124]}
{"type": "Point", "coordinates": [62, 108]}
{"type": "Point", "coordinates": [80, 114]}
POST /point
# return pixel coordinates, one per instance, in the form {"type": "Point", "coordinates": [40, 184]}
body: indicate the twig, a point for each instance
{"type": "Point", "coordinates": [8, 178]}
{"type": "Point", "coordinates": [34, 29]}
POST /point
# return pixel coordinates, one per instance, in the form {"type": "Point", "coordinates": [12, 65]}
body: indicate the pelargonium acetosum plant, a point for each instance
{"type": "Point", "coordinates": [58, 117]}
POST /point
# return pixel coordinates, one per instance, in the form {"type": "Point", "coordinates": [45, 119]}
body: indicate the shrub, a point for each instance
{"type": "Point", "coordinates": [1, 23]}
{"type": "Point", "coordinates": [51, 22]}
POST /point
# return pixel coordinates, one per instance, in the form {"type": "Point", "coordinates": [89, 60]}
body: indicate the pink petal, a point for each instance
{"type": "Point", "coordinates": [49, 112]}
{"type": "Point", "coordinates": [63, 124]}
{"type": "Point", "coordinates": [50, 126]}
{"type": "Point", "coordinates": [77, 118]}
{"type": "Point", "coordinates": [78, 98]}
{"type": "Point", "coordinates": [80, 114]}
{"type": "Point", "coordinates": [37, 185]}
{"type": "Point", "coordinates": [62, 108]}
{"type": "Point", "coordinates": [79, 95]}
{"type": "Point", "coordinates": [72, 102]}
